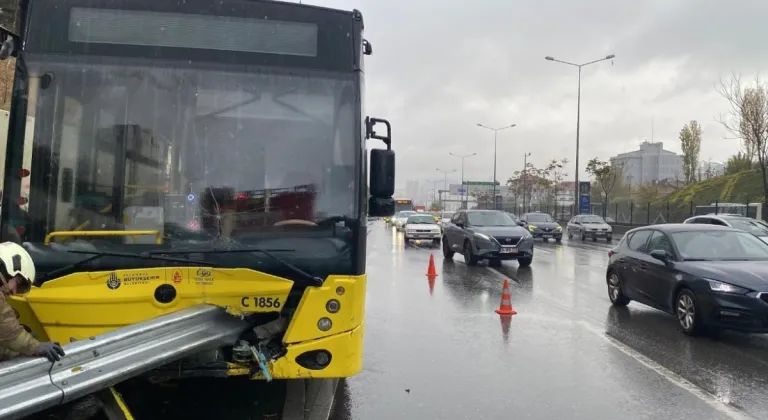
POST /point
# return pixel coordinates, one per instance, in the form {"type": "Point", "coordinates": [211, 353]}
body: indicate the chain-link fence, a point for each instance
{"type": "Point", "coordinates": [631, 213]}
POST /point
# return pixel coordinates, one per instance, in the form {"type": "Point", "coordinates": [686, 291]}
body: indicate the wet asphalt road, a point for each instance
{"type": "Point", "coordinates": [441, 352]}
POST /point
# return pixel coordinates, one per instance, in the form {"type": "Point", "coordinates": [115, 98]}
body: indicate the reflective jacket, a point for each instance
{"type": "Point", "coordinates": [14, 339]}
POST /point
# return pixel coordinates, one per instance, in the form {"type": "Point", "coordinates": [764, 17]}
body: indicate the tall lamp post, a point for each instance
{"type": "Point", "coordinates": [495, 133]}
{"type": "Point", "coordinates": [578, 116]}
{"type": "Point", "coordinates": [463, 201]}
{"type": "Point", "coordinates": [445, 184]}
{"type": "Point", "coordinates": [525, 179]}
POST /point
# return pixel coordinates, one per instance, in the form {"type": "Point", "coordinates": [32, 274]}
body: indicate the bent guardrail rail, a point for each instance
{"type": "Point", "coordinates": [30, 385]}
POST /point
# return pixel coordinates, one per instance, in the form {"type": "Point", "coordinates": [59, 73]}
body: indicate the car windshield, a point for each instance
{"type": "Point", "coordinates": [718, 245]}
{"type": "Point", "coordinates": [592, 219]}
{"type": "Point", "coordinates": [405, 214]}
{"type": "Point", "coordinates": [752, 226]}
{"type": "Point", "coordinates": [489, 218]}
{"type": "Point", "coordinates": [191, 154]}
{"type": "Point", "coordinates": [513, 216]}
{"type": "Point", "coordinates": [421, 220]}
{"type": "Point", "coordinates": [539, 217]}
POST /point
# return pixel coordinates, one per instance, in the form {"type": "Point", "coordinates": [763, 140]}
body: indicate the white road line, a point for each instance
{"type": "Point", "coordinates": [707, 397]}
{"type": "Point", "coordinates": [704, 395]}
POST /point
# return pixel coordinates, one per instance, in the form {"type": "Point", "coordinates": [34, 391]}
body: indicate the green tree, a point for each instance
{"type": "Point", "coordinates": [738, 163]}
{"type": "Point", "coordinates": [690, 142]}
{"type": "Point", "coordinates": [607, 176]}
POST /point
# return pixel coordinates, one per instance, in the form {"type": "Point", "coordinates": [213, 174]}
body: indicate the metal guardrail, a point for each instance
{"type": "Point", "coordinates": [32, 385]}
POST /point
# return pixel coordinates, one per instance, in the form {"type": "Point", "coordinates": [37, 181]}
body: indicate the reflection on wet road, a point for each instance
{"type": "Point", "coordinates": [439, 350]}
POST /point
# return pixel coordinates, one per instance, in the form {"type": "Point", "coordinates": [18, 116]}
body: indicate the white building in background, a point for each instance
{"type": "Point", "coordinates": [650, 163]}
{"type": "Point", "coordinates": [710, 169]}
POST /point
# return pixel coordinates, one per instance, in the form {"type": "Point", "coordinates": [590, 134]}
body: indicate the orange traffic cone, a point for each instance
{"type": "Point", "coordinates": [431, 269]}
{"type": "Point", "coordinates": [506, 301]}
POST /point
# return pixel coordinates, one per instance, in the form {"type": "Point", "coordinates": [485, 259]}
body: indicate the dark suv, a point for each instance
{"type": "Point", "coordinates": [542, 225]}
{"type": "Point", "coordinates": [487, 235]}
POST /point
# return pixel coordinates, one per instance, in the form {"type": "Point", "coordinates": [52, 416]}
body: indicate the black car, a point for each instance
{"type": "Point", "coordinates": [542, 225]}
{"type": "Point", "coordinates": [487, 234]}
{"type": "Point", "coordinates": [709, 276]}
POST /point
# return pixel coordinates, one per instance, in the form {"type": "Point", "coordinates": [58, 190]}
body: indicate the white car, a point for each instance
{"type": "Point", "coordinates": [400, 218]}
{"type": "Point", "coordinates": [445, 218]}
{"type": "Point", "coordinates": [422, 227]}
{"type": "Point", "coordinates": [748, 224]}
{"type": "Point", "coordinates": [589, 226]}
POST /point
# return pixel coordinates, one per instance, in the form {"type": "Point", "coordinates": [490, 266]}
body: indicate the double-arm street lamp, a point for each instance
{"type": "Point", "coordinates": [495, 133]}
{"type": "Point", "coordinates": [578, 117]}
{"type": "Point", "coordinates": [462, 157]}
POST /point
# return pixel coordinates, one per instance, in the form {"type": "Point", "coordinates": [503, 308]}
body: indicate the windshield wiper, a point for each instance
{"type": "Point", "coordinates": [99, 254]}
{"type": "Point", "coordinates": [309, 278]}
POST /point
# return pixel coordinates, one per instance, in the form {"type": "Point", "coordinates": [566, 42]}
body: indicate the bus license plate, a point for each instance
{"type": "Point", "coordinates": [509, 250]}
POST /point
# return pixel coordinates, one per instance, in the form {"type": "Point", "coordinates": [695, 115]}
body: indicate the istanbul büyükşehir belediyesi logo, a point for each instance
{"type": "Point", "coordinates": [113, 282]}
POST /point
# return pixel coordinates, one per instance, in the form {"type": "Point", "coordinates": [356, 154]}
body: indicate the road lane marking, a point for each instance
{"type": "Point", "coordinates": [705, 396]}
{"type": "Point", "coordinates": [724, 407]}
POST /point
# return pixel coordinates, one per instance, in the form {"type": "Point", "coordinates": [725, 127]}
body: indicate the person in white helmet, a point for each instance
{"type": "Point", "coordinates": [17, 272]}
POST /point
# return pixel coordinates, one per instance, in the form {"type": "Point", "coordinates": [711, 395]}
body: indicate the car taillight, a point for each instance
{"type": "Point", "coordinates": [610, 253]}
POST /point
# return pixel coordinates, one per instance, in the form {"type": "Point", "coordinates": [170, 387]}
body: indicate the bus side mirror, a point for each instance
{"type": "Point", "coordinates": [382, 183]}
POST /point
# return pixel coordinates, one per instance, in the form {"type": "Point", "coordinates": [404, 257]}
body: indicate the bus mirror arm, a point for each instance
{"type": "Point", "coordinates": [370, 133]}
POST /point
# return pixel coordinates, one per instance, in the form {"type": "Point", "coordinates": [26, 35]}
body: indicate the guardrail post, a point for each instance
{"type": "Point", "coordinates": [690, 210]}
{"type": "Point", "coordinates": [667, 218]}
{"type": "Point", "coordinates": [631, 212]}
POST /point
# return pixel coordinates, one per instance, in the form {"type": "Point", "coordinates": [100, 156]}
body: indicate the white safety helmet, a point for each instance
{"type": "Point", "coordinates": [16, 261]}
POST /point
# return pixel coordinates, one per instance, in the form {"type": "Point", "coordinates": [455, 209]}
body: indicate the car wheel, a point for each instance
{"type": "Point", "coordinates": [614, 290]}
{"type": "Point", "coordinates": [447, 252]}
{"type": "Point", "coordinates": [494, 263]}
{"type": "Point", "coordinates": [570, 235]}
{"type": "Point", "coordinates": [406, 241]}
{"type": "Point", "coordinates": [525, 262]}
{"type": "Point", "coordinates": [594, 239]}
{"type": "Point", "coordinates": [687, 311]}
{"type": "Point", "coordinates": [469, 256]}
{"type": "Point", "coordinates": [436, 242]}
{"type": "Point", "coordinates": [583, 236]}
{"type": "Point", "coordinates": [609, 238]}
{"type": "Point", "coordinates": [559, 240]}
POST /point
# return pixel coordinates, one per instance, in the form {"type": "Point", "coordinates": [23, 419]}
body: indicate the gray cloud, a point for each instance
{"type": "Point", "coordinates": [440, 67]}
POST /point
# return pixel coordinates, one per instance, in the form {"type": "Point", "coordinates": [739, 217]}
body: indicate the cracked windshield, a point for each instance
{"type": "Point", "coordinates": [247, 209]}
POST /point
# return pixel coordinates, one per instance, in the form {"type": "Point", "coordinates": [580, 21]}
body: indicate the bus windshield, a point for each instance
{"type": "Point", "coordinates": [191, 153]}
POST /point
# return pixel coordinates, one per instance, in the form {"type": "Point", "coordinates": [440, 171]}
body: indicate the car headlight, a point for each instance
{"type": "Point", "coordinates": [718, 286]}
{"type": "Point", "coordinates": [531, 228]}
{"type": "Point", "coordinates": [483, 236]}
{"type": "Point", "coordinates": [559, 228]}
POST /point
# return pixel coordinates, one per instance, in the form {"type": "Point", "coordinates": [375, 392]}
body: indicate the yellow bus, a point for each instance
{"type": "Point", "coordinates": [150, 140]}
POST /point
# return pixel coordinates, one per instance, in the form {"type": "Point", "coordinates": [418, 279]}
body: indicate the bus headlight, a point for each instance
{"type": "Point", "coordinates": [333, 306]}
{"type": "Point", "coordinates": [324, 324]}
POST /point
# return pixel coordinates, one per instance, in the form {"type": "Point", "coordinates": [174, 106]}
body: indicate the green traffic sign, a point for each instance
{"type": "Point", "coordinates": [489, 183]}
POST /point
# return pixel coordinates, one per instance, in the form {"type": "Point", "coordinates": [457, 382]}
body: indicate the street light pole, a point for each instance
{"type": "Point", "coordinates": [495, 135]}
{"type": "Point", "coordinates": [578, 117]}
{"type": "Point", "coordinates": [463, 196]}
{"type": "Point", "coordinates": [445, 184]}
{"type": "Point", "coordinates": [525, 179]}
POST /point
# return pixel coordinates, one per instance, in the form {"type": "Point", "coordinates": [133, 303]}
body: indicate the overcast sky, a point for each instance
{"type": "Point", "coordinates": [441, 67]}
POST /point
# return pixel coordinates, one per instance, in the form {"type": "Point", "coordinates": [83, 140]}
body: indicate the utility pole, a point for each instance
{"type": "Point", "coordinates": [525, 179]}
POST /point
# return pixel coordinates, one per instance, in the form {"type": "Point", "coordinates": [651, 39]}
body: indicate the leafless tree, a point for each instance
{"type": "Point", "coordinates": [747, 119]}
